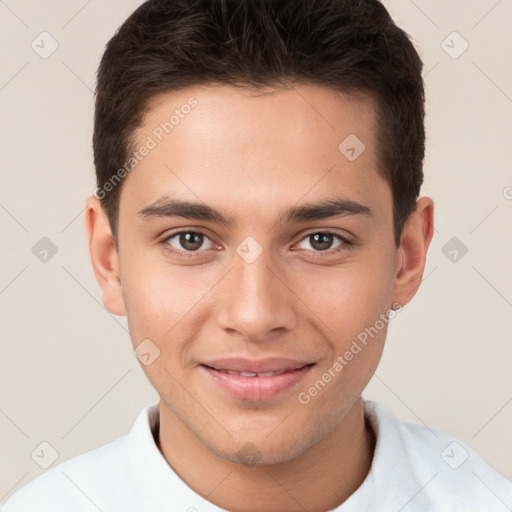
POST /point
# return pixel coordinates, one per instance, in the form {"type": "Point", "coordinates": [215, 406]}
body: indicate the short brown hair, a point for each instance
{"type": "Point", "coordinates": [348, 45]}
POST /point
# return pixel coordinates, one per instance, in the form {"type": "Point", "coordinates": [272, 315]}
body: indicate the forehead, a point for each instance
{"type": "Point", "coordinates": [231, 145]}
{"type": "Point", "coordinates": [293, 112]}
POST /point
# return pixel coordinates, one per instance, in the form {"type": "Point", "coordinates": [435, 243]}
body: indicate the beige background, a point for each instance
{"type": "Point", "coordinates": [67, 373]}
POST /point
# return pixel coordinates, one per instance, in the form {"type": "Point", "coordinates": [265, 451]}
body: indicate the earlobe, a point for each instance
{"type": "Point", "coordinates": [412, 253]}
{"type": "Point", "coordinates": [104, 256]}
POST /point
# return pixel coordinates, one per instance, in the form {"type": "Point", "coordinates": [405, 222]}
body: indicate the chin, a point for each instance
{"type": "Point", "coordinates": [261, 451]}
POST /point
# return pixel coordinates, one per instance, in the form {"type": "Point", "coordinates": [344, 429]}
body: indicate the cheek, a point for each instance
{"type": "Point", "coordinates": [164, 302]}
{"type": "Point", "coordinates": [349, 298]}
{"type": "Point", "coordinates": [354, 319]}
{"type": "Point", "coordinates": [162, 307]}
{"type": "Point", "coordinates": [351, 303]}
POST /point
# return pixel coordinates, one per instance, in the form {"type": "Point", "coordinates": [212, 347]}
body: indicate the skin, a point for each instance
{"type": "Point", "coordinates": [252, 155]}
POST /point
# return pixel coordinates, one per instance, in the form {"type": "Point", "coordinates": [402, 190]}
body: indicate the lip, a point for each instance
{"type": "Point", "coordinates": [256, 388]}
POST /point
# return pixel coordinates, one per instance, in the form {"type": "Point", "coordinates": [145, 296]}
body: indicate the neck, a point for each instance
{"type": "Point", "coordinates": [320, 479]}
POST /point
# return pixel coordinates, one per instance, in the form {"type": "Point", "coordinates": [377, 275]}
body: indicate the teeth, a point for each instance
{"type": "Point", "coordinates": [254, 374]}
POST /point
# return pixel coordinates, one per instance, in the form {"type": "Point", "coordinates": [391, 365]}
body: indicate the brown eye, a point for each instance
{"type": "Point", "coordinates": [187, 241]}
{"type": "Point", "coordinates": [321, 241]}
{"type": "Point", "coordinates": [191, 241]}
{"type": "Point", "coordinates": [325, 241]}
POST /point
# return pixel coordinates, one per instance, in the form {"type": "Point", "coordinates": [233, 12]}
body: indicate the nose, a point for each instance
{"type": "Point", "coordinates": [256, 301]}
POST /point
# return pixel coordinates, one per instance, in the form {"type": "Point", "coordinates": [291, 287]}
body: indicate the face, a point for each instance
{"type": "Point", "coordinates": [285, 260]}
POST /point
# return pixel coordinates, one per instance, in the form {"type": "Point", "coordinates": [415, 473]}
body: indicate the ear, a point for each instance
{"type": "Point", "coordinates": [412, 253]}
{"type": "Point", "coordinates": [104, 257]}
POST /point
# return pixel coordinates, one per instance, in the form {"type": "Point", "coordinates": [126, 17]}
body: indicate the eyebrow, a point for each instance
{"type": "Point", "coordinates": [340, 206]}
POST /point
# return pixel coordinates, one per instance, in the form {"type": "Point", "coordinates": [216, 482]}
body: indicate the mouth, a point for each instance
{"type": "Point", "coordinates": [253, 374]}
{"type": "Point", "coordinates": [255, 380]}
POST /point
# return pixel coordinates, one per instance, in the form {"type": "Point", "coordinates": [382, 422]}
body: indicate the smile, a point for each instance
{"type": "Point", "coordinates": [244, 384]}
{"type": "Point", "coordinates": [254, 374]}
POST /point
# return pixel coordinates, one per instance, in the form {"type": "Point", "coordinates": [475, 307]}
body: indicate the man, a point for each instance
{"type": "Point", "coordinates": [257, 219]}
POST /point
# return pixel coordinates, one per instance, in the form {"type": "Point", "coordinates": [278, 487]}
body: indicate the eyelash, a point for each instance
{"type": "Point", "coordinates": [344, 246]}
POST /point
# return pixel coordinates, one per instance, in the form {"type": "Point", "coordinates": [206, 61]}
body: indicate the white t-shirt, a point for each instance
{"type": "Point", "coordinates": [414, 469]}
